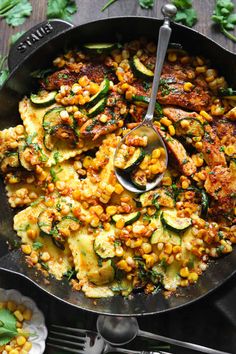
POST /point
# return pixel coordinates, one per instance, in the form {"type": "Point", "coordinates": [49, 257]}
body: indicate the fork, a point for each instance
{"type": "Point", "coordinates": [81, 341]}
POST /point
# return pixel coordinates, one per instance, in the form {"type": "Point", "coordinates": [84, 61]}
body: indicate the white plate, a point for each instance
{"type": "Point", "coordinates": [35, 325]}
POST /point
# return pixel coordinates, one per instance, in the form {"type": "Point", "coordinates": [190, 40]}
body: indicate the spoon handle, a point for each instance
{"type": "Point", "coordinates": [163, 41]}
{"type": "Point", "coordinates": [180, 343]}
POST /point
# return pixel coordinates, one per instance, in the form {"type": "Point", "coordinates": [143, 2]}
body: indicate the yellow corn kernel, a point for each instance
{"type": "Point", "coordinates": [118, 188]}
{"type": "Point", "coordinates": [21, 308]}
{"type": "Point", "coordinates": [156, 153]}
{"type": "Point", "coordinates": [120, 223]}
{"type": "Point", "coordinates": [217, 110]}
{"type": "Point", "coordinates": [184, 282]}
{"type": "Point", "coordinates": [155, 168]}
{"type": "Point", "coordinates": [119, 251]}
{"type": "Point", "coordinates": [201, 69]}
{"type": "Point", "coordinates": [27, 314]}
{"type": "Point", "coordinates": [207, 116]}
{"type": "Point", "coordinates": [27, 346]}
{"type": "Point", "coordinates": [14, 351]}
{"type": "Point", "coordinates": [172, 57]}
{"type": "Point", "coordinates": [185, 123]}
{"type": "Point", "coordinates": [111, 210]}
{"type": "Point", "coordinates": [32, 234]}
{"type": "Point", "coordinates": [165, 121]}
{"type": "Point", "coordinates": [146, 247]}
{"type": "Point", "coordinates": [193, 277]}
{"type": "Point", "coordinates": [124, 266]}
{"type": "Point", "coordinates": [199, 145]}
{"type": "Point", "coordinates": [198, 161]}
{"type": "Point", "coordinates": [188, 86]}
{"type": "Point", "coordinates": [8, 348]}
{"type": "Point", "coordinates": [176, 249]}
{"type": "Point", "coordinates": [95, 221]}
{"type": "Point", "coordinates": [18, 325]}
{"type": "Point", "coordinates": [26, 249]}
{"type": "Point", "coordinates": [185, 184]}
{"type": "Point", "coordinates": [125, 86]}
{"type": "Point", "coordinates": [184, 272]}
{"type": "Point", "coordinates": [11, 305]}
{"type": "Point", "coordinates": [88, 162]}
{"type": "Point", "coordinates": [45, 256]}
{"type": "Point", "coordinates": [171, 129]}
{"type": "Point", "coordinates": [93, 88]}
{"type": "Point", "coordinates": [19, 315]}
{"type": "Point", "coordinates": [83, 81]}
{"type": "Point", "coordinates": [230, 150]}
{"type": "Point", "coordinates": [20, 340]}
{"type": "Point", "coordinates": [150, 260]}
{"type": "Point", "coordinates": [168, 248]}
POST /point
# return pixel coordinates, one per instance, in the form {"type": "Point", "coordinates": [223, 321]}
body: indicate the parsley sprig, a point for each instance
{"type": "Point", "coordinates": [15, 11]}
{"type": "Point", "coordinates": [8, 328]}
{"type": "Point", "coordinates": [63, 9]}
{"type": "Point", "coordinates": [223, 15]}
{"type": "Point", "coordinates": [186, 14]}
{"type": "Point", "coordinates": [145, 4]}
{"type": "Point", "coordinates": [3, 71]}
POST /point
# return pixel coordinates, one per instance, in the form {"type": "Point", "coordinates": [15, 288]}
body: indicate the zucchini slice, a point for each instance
{"type": "Point", "coordinates": [98, 108]}
{"type": "Point", "coordinates": [128, 218]}
{"type": "Point", "coordinates": [144, 101]}
{"type": "Point", "coordinates": [64, 132]}
{"type": "Point", "coordinates": [165, 236]}
{"type": "Point", "coordinates": [160, 195]}
{"type": "Point", "coordinates": [24, 150]}
{"type": "Point", "coordinates": [99, 47]}
{"type": "Point", "coordinates": [195, 127]}
{"type": "Point", "coordinates": [173, 222]}
{"type": "Point", "coordinates": [43, 98]}
{"type": "Point", "coordinates": [68, 222]}
{"type": "Point", "coordinates": [53, 118]}
{"type": "Point", "coordinates": [103, 275]}
{"type": "Point", "coordinates": [228, 93]}
{"type": "Point", "coordinates": [141, 70]}
{"type": "Point", "coordinates": [134, 160]}
{"type": "Point", "coordinates": [46, 220]}
{"type": "Point", "coordinates": [104, 88]}
{"type": "Point", "coordinates": [139, 179]}
{"type": "Point", "coordinates": [104, 245]}
{"type": "Point", "coordinates": [10, 161]}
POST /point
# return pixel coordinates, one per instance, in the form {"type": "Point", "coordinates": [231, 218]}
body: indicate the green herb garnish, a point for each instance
{"type": "Point", "coordinates": [8, 328]}
{"type": "Point", "coordinates": [15, 11]}
{"type": "Point", "coordinates": [63, 9]}
{"type": "Point", "coordinates": [37, 245]}
{"type": "Point", "coordinates": [223, 15]}
{"type": "Point", "coordinates": [186, 13]}
{"type": "Point", "coordinates": [16, 36]}
{"type": "Point", "coordinates": [3, 71]}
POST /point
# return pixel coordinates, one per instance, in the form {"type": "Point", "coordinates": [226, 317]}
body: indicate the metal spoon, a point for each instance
{"type": "Point", "coordinates": [146, 128]}
{"type": "Point", "coordinates": [122, 330]}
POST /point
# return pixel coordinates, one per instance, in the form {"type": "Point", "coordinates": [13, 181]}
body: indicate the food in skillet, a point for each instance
{"type": "Point", "coordinates": [76, 219]}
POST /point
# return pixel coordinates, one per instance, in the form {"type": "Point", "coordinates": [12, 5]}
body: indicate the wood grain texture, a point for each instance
{"type": "Point", "coordinates": [89, 10]}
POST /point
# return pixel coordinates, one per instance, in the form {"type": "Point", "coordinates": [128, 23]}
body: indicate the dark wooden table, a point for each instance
{"type": "Point", "coordinates": [202, 322]}
{"type": "Point", "coordinates": [91, 10]}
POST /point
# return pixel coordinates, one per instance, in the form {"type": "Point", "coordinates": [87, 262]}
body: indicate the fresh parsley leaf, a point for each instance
{"type": "Point", "coordinates": [186, 13]}
{"type": "Point", "coordinates": [109, 3]}
{"type": "Point", "coordinates": [16, 36]}
{"type": "Point", "coordinates": [15, 11]}
{"type": "Point", "coordinates": [8, 328]}
{"type": "Point", "coordinates": [146, 4]}
{"type": "Point", "coordinates": [37, 245]}
{"type": "Point", "coordinates": [63, 9]}
{"type": "Point", "coordinates": [223, 16]}
{"type": "Point", "coordinates": [70, 273]}
{"type": "Point", "coordinates": [3, 71]}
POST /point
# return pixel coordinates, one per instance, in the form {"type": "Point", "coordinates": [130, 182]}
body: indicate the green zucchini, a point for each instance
{"type": "Point", "coordinates": [43, 98]}
{"type": "Point", "coordinates": [23, 148]}
{"type": "Point", "coordinates": [97, 108]}
{"type": "Point", "coordinates": [104, 88]}
{"type": "Point", "coordinates": [228, 93]}
{"type": "Point", "coordinates": [141, 70]}
{"type": "Point", "coordinates": [10, 161]}
{"type": "Point", "coordinates": [134, 160]}
{"type": "Point", "coordinates": [165, 236]}
{"type": "Point", "coordinates": [52, 118]}
{"type": "Point", "coordinates": [162, 196]}
{"type": "Point", "coordinates": [104, 245]}
{"type": "Point", "coordinates": [139, 179]}
{"type": "Point", "coordinates": [128, 218]}
{"type": "Point", "coordinates": [68, 222]}
{"type": "Point", "coordinates": [144, 101]}
{"type": "Point", "coordinates": [46, 220]}
{"type": "Point", "coordinates": [173, 222]}
{"type": "Point", "coordinates": [195, 128]}
{"type": "Point", "coordinates": [60, 136]}
{"type": "Point", "coordinates": [103, 275]}
{"type": "Point", "coordinates": [99, 47]}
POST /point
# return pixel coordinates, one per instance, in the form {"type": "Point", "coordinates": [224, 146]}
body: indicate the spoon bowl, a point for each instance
{"type": "Point", "coordinates": [154, 142]}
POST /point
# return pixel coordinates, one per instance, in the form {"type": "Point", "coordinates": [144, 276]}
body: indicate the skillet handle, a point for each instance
{"type": "Point", "coordinates": [34, 39]}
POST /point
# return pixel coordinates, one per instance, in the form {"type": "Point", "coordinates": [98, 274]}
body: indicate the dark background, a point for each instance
{"type": "Point", "coordinates": [210, 321]}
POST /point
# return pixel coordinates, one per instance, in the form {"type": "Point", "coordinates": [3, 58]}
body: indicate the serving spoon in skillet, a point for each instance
{"type": "Point", "coordinates": [146, 128]}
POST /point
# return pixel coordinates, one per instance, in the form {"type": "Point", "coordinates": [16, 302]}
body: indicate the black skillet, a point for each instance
{"type": "Point", "coordinates": [36, 50]}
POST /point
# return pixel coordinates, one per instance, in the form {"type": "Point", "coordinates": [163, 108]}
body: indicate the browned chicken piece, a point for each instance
{"type": "Point", "coordinates": [185, 163]}
{"type": "Point", "coordinates": [59, 78]}
{"type": "Point", "coordinates": [221, 185]}
{"type": "Point", "coordinates": [211, 148]}
{"type": "Point", "coordinates": [93, 128]}
{"type": "Point", "coordinates": [226, 131]}
{"type": "Point", "coordinates": [231, 114]}
{"type": "Point", "coordinates": [175, 114]}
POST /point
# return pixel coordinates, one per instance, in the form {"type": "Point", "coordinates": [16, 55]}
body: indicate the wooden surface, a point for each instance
{"type": "Point", "coordinates": [89, 10]}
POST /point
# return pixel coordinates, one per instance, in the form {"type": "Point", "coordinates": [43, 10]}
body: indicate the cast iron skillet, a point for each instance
{"type": "Point", "coordinates": [36, 50]}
